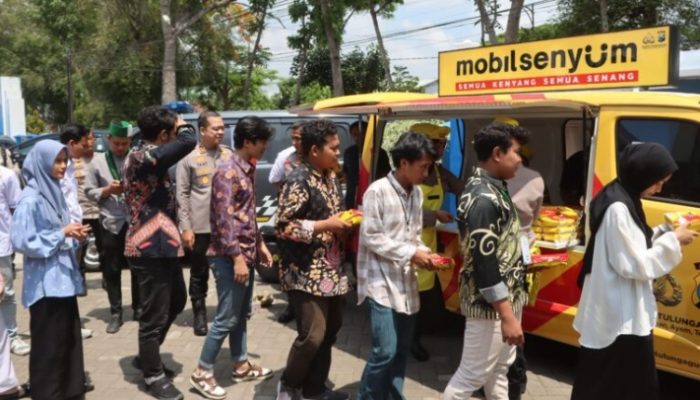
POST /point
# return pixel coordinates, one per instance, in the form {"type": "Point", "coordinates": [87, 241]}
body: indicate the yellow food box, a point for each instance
{"type": "Point", "coordinates": [353, 217]}
{"type": "Point", "coordinates": [677, 218]}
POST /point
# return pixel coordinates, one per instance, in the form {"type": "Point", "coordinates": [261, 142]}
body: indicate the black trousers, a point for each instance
{"type": "Point", "coordinates": [114, 261]}
{"type": "Point", "coordinates": [318, 321]}
{"type": "Point", "coordinates": [625, 370]}
{"type": "Point", "coordinates": [162, 296]}
{"type": "Point", "coordinates": [199, 267]}
{"type": "Point", "coordinates": [56, 368]}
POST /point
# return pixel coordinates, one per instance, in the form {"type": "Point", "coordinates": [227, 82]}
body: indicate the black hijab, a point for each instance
{"type": "Point", "coordinates": [641, 165]}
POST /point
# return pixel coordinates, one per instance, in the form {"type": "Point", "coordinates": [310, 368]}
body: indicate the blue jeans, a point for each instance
{"type": "Point", "coordinates": [392, 333]}
{"type": "Point", "coordinates": [232, 313]}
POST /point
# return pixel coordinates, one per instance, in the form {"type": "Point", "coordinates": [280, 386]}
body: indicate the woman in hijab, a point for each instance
{"type": "Point", "coordinates": [617, 311]}
{"type": "Point", "coordinates": [42, 232]}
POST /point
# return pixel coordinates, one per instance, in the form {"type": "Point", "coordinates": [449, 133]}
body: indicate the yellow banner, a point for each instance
{"type": "Point", "coordinates": [641, 57]}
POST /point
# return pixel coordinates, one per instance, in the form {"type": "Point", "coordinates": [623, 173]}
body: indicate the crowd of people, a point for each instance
{"type": "Point", "coordinates": [145, 221]}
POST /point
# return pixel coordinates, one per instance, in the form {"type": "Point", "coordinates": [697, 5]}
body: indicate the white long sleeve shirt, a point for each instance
{"type": "Point", "coordinates": [617, 297]}
{"type": "Point", "coordinates": [277, 170]}
{"type": "Point", "coordinates": [390, 234]}
{"type": "Point", "coordinates": [9, 195]}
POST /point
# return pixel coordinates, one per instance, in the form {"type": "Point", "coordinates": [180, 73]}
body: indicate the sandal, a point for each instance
{"type": "Point", "coordinates": [205, 383]}
{"type": "Point", "coordinates": [250, 372]}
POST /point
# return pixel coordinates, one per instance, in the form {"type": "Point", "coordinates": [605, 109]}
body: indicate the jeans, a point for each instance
{"type": "Point", "coordinates": [392, 333]}
{"type": "Point", "coordinates": [8, 305]}
{"type": "Point", "coordinates": [163, 296]}
{"type": "Point", "coordinates": [318, 321]}
{"type": "Point", "coordinates": [232, 313]}
{"type": "Point", "coordinates": [114, 260]}
{"type": "Point", "coordinates": [199, 267]}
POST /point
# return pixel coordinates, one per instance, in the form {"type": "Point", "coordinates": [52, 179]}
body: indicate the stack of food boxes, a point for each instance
{"type": "Point", "coordinates": [556, 225]}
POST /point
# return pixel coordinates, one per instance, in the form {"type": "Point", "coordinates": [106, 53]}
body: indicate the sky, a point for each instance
{"type": "Point", "coordinates": [417, 51]}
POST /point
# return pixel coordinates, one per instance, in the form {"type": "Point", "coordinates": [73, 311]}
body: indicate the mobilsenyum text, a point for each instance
{"type": "Point", "coordinates": [572, 59]}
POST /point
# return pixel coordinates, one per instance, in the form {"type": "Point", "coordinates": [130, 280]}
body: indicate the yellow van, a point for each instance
{"type": "Point", "coordinates": [588, 126]}
{"type": "Point", "coordinates": [575, 138]}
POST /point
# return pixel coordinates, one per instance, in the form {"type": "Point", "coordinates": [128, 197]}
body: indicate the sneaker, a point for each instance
{"type": "Point", "coordinates": [19, 347]}
{"type": "Point", "coordinates": [329, 395]}
{"type": "Point", "coordinates": [205, 383]}
{"type": "Point", "coordinates": [163, 389]}
{"type": "Point", "coordinates": [284, 392]}
{"type": "Point", "coordinates": [86, 333]}
{"type": "Point", "coordinates": [250, 372]}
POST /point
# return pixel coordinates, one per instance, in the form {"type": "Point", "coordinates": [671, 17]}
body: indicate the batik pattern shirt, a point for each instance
{"type": "Point", "coordinates": [234, 230]}
{"type": "Point", "coordinates": [150, 198]}
{"type": "Point", "coordinates": [310, 262]}
{"type": "Point", "coordinates": [493, 268]}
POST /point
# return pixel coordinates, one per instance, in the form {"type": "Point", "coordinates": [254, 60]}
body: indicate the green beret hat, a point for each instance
{"type": "Point", "coordinates": [119, 128]}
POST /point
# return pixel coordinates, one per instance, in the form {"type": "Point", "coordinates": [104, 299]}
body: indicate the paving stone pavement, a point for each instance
{"type": "Point", "coordinates": [108, 357]}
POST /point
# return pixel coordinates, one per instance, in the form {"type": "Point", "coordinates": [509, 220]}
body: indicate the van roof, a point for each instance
{"type": "Point", "coordinates": [571, 100]}
{"type": "Point", "coordinates": [264, 114]}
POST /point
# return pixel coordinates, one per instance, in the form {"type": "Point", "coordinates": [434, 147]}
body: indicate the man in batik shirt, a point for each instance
{"type": "Point", "coordinates": [236, 246]}
{"type": "Point", "coordinates": [310, 235]}
{"type": "Point", "coordinates": [153, 241]}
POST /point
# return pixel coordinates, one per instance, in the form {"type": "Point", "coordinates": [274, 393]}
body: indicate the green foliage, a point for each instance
{"type": "Point", "coordinates": [394, 129]}
{"type": "Point", "coordinates": [583, 17]}
{"type": "Point", "coordinates": [116, 48]}
{"type": "Point", "coordinates": [404, 81]}
{"type": "Point", "coordinates": [310, 93]}
{"type": "Point", "coordinates": [35, 124]}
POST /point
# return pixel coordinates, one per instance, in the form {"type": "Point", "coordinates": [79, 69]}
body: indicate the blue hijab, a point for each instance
{"type": "Point", "coordinates": [36, 171]}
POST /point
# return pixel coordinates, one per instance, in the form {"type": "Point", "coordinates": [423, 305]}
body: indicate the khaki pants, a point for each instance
{"type": "Point", "coordinates": [485, 362]}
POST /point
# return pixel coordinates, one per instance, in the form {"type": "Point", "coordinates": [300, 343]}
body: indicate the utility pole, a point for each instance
{"type": "Point", "coordinates": [69, 71]}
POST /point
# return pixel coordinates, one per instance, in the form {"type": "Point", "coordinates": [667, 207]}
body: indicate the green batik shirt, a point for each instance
{"type": "Point", "coordinates": [493, 267]}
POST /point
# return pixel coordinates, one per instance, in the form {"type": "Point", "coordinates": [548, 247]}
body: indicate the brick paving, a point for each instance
{"type": "Point", "coordinates": [108, 357]}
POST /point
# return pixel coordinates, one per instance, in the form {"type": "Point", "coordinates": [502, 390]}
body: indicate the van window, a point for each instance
{"type": "Point", "coordinates": [681, 139]}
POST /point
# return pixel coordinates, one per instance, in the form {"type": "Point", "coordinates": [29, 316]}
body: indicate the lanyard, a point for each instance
{"type": "Point", "coordinates": [404, 207]}
{"type": "Point", "coordinates": [112, 166]}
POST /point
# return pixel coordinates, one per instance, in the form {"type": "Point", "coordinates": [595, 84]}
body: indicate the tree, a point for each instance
{"type": "Point", "coordinates": [299, 12]}
{"type": "Point", "coordinates": [404, 81]}
{"type": "Point", "coordinates": [173, 24]}
{"type": "Point", "coordinates": [384, 9]}
{"type": "Point", "coordinates": [363, 72]}
{"type": "Point", "coordinates": [308, 94]}
{"type": "Point", "coordinates": [69, 22]}
{"type": "Point", "coordinates": [604, 22]}
{"type": "Point", "coordinates": [333, 43]}
{"type": "Point", "coordinates": [513, 26]}
{"type": "Point", "coordinates": [259, 10]}
{"type": "Point", "coordinates": [586, 16]}
{"type": "Point", "coordinates": [488, 17]}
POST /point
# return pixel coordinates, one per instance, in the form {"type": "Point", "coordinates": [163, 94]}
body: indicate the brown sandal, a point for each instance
{"type": "Point", "coordinates": [250, 372]}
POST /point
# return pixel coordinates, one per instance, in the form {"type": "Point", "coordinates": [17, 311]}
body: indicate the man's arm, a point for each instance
{"type": "Point", "coordinates": [182, 192]}
{"type": "Point", "coordinates": [277, 170]}
{"type": "Point", "coordinates": [167, 155]}
{"type": "Point", "coordinates": [12, 190]}
{"type": "Point", "coordinates": [484, 232]}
